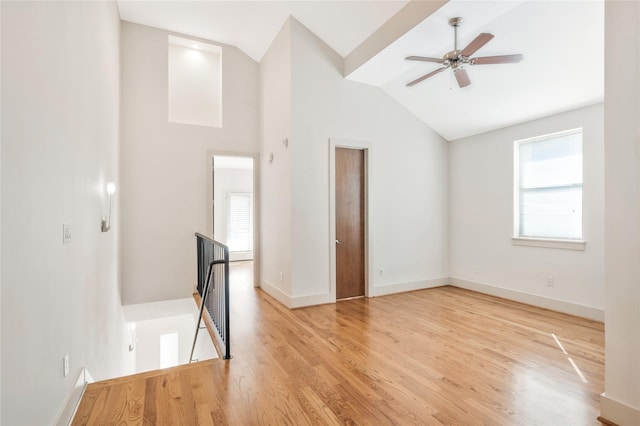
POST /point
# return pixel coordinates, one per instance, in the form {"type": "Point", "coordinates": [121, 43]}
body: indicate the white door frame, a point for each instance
{"type": "Point", "coordinates": [256, 202]}
{"type": "Point", "coordinates": [368, 156]}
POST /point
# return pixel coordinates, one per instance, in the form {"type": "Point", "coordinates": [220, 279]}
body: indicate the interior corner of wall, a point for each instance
{"type": "Point", "coordinates": [617, 412]}
{"type": "Point", "coordinates": [276, 293]}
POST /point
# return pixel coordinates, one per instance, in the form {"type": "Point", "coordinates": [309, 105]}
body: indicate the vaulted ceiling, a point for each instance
{"type": "Point", "coordinates": [562, 43]}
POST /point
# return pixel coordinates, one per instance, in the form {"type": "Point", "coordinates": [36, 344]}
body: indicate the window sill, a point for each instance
{"type": "Point", "coordinates": [549, 243]}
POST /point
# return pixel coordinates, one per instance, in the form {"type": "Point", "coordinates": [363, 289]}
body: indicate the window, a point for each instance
{"type": "Point", "coordinates": [548, 187]}
{"type": "Point", "coordinates": [239, 232]}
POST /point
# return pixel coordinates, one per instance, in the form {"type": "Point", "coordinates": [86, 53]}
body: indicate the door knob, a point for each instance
{"type": "Point", "coordinates": [338, 242]}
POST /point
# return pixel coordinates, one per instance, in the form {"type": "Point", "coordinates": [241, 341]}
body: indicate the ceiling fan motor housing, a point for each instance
{"type": "Point", "coordinates": [455, 59]}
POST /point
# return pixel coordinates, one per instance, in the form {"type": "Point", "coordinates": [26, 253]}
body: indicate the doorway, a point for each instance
{"type": "Point", "coordinates": [349, 183]}
{"type": "Point", "coordinates": [349, 175]}
{"type": "Point", "coordinates": [233, 205]}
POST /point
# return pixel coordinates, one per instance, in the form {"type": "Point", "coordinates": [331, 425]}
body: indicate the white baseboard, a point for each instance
{"type": "Point", "coordinates": [403, 287]}
{"type": "Point", "coordinates": [532, 299]}
{"type": "Point", "coordinates": [297, 301]}
{"type": "Point", "coordinates": [324, 298]}
{"type": "Point", "coordinates": [617, 412]}
{"type": "Point", "coordinates": [276, 293]}
{"type": "Point", "coordinates": [311, 300]}
{"type": "Point", "coordinates": [73, 399]}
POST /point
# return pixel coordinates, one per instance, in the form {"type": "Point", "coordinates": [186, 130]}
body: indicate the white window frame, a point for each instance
{"type": "Point", "coordinates": [227, 230]}
{"type": "Point", "coordinates": [547, 242]}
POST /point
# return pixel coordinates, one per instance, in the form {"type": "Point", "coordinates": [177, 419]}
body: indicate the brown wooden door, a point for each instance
{"type": "Point", "coordinates": [349, 223]}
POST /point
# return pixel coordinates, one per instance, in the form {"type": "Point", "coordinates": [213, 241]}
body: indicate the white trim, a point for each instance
{"type": "Point", "coordinates": [583, 311]}
{"type": "Point", "coordinates": [276, 293]}
{"type": "Point", "coordinates": [549, 243]}
{"type": "Point", "coordinates": [368, 161]}
{"type": "Point", "coordinates": [575, 131]}
{"type": "Point", "coordinates": [256, 202]}
{"type": "Point", "coordinates": [386, 289]}
{"type": "Point", "coordinates": [312, 300]}
{"type": "Point", "coordinates": [516, 186]}
{"type": "Point", "coordinates": [618, 412]}
{"type": "Point", "coordinates": [589, 312]}
{"type": "Point", "coordinates": [324, 298]}
{"type": "Point", "coordinates": [73, 399]}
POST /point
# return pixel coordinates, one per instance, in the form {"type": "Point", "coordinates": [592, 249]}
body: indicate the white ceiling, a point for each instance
{"type": "Point", "coordinates": [562, 43]}
{"type": "Point", "coordinates": [563, 66]}
{"type": "Point", "coordinates": [251, 26]}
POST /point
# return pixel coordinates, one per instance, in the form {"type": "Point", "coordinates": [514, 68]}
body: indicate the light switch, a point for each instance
{"type": "Point", "coordinates": [66, 233]}
{"type": "Point", "coordinates": [65, 365]}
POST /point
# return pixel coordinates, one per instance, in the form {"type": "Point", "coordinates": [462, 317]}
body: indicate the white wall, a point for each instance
{"type": "Point", "coordinates": [148, 335]}
{"type": "Point", "coordinates": [166, 167]}
{"type": "Point", "coordinates": [622, 213]}
{"type": "Point", "coordinates": [275, 184]}
{"type": "Point", "coordinates": [60, 139]}
{"type": "Point", "coordinates": [481, 220]}
{"type": "Point", "coordinates": [408, 186]}
{"type": "Point", "coordinates": [157, 318]}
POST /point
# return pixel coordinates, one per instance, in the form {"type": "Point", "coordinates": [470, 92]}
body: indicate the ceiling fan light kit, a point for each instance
{"type": "Point", "coordinates": [458, 60]}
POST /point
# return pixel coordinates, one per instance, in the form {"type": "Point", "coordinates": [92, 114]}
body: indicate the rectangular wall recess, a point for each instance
{"type": "Point", "coordinates": [194, 82]}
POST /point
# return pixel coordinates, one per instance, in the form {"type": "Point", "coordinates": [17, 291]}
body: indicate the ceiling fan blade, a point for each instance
{"type": "Point", "coordinates": [426, 76]}
{"type": "Point", "coordinates": [462, 77]}
{"type": "Point", "coordinates": [423, 59]}
{"type": "Point", "coordinates": [504, 59]}
{"type": "Point", "coordinates": [477, 43]}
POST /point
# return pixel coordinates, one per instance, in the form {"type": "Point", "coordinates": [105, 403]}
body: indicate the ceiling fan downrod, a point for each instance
{"type": "Point", "coordinates": [455, 23]}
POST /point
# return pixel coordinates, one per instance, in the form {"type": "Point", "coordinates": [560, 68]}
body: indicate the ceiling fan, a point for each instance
{"type": "Point", "coordinates": [457, 60]}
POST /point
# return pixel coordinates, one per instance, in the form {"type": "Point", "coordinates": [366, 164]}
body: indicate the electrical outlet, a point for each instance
{"type": "Point", "coordinates": [281, 276]}
{"type": "Point", "coordinates": [550, 282]}
{"type": "Point", "coordinates": [381, 272]}
{"type": "Point", "coordinates": [66, 233]}
{"type": "Point", "coordinates": [476, 269]}
{"type": "Point", "coordinates": [65, 365]}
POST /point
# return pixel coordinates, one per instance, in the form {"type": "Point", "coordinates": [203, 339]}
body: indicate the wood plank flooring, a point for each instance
{"type": "Point", "coordinates": [440, 356]}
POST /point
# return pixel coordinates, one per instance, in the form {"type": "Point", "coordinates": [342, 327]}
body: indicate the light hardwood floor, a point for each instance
{"type": "Point", "coordinates": [438, 356]}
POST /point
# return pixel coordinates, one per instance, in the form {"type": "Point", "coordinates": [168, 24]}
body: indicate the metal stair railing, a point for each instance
{"type": "Point", "coordinates": [213, 287]}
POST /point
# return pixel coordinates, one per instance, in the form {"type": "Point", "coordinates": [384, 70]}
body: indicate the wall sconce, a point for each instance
{"type": "Point", "coordinates": [132, 331]}
{"type": "Point", "coordinates": [106, 223]}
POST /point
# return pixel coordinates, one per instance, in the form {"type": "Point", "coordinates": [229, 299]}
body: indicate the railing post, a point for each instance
{"type": "Point", "coordinates": [227, 331]}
